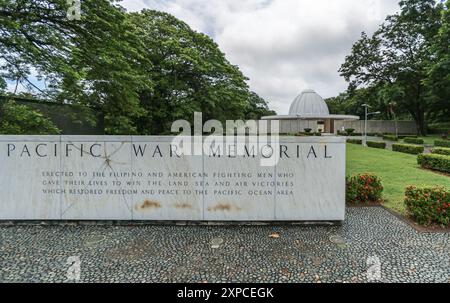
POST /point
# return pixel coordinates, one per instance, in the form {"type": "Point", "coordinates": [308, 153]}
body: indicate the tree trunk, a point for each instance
{"type": "Point", "coordinates": [420, 113]}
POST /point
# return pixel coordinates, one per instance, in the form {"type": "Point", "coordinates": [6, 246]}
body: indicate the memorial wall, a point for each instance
{"type": "Point", "coordinates": [146, 178]}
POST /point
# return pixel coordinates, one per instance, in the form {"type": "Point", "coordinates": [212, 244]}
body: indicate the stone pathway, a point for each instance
{"type": "Point", "coordinates": [228, 253]}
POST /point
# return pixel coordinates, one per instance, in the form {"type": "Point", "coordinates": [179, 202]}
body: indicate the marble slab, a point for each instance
{"type": "Point", "coordinates": [145, 178]}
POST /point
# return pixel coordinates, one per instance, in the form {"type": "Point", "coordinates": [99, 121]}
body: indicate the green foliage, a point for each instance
{"type": "Point", "coordinates": [355, 134]}
{"type": "Point", "coordinates": [364, 188]}
{"type": "Point", "coordinates": [354, 141]}
{"type": "Point", "coordinates": [414, 141]}
{"type": "Point", "coordinates": [407, 136]}
{"type": "Point", "coordinates": [257, 108]}
{"type": "Point", "coordinates": [408, 149]}
{"type": "Point", "coordinates": [2, 85]}
{"type": "Point", "coordinates": [376, 144]}
{"type": "Point", "coordinates": [435, 162]}
{"type": "Point", "coordinates": [190, 74]}
{"type": "Point", "coordinates": [397, 170]}
{"type": "Point", "coordinates": [141, 70]}
{"type": "Point", "coordinates": [94, 61]}
{"type": "Point", "coordinates": [20, 120]}
{"type": "Point", "coordinates": [350, 131]}
{"type": "Point", "coordinates": [390, 138]}
{"type": "Point", "coordinates": [442, 143]}
{"type": "Point", "coordinates": [441, 151]}
{"type": "Point", "coordinates": [438, 80]}
{"type": "Point", "coordinates": [428, 205]}
{"type": "Point", "coordinates": [393, 62]}
{"type": "Point", "coordinates": [442, 128]}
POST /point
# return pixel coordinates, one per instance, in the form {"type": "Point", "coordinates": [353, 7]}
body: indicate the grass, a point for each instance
{"type": "Point", "coordinates": [397, 171]}
{"type": "Point", "coordinates": [429, 140]}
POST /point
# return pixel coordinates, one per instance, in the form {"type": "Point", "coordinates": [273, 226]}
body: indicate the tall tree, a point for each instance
{"type": "Point", "coordinates": [141, 70]}
{"type": "Point", "coordinates": [92, 61]}
{"type": "Point", "coordinates": [257, 107]}
{"type": "Point", "coordinates": [396, 56]}
{"type": "Point", "coordinates": [190, 73]}
{"type": "Point", "coordinates": [439, 71]}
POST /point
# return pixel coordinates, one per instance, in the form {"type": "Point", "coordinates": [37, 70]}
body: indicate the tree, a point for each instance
{"type": "Point", "coordinates": [438, 80]}
{"type": "Point", "coordinates": [2, 85]}
{"type": "Point", "coordinates": [20, 119]}
{"type": "Point", "coordinates": [141, 70]}
{"type": "Point", "coordinates": [190, 74]}
{"type": "Point", "coordinates": [257, 107]}
{"type": "Point", "coordinates": [94, 61]}
{"type": "Point", "coordinates": [396, 56]}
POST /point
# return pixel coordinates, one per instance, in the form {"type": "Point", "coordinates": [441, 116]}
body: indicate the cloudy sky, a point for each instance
{"type": "Point", "coordinates": [283, 46]}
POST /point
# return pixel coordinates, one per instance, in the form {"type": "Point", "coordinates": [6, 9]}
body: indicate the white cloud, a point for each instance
{"type": "Point", "coordinates": [283, 46]}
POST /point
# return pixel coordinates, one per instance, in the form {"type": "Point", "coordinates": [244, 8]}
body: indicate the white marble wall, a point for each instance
{"type": "Point", "coordinates": [107, 178]}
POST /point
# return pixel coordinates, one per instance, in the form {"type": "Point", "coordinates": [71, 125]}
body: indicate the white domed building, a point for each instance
{"type": "Point", "coordinates": [309, 110]}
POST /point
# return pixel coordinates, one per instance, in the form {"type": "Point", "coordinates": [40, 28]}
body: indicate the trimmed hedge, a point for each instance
{"type": "Point", "coordinates": [414, 141]}
{"type": "Point", "coordinates": [407, 136]}
{"type": "Point", "coordinates": [435, 162]}
{"type": "Point", "coordinates": [355, 135]}
{"type": "Point", "coordinates": [376, 144]}
{"type": "Point", "coordinates": [408, 149]}
{"type": "Point", "coordinates": [441, 151]}
{"type": "Point", "coordinates": [428, 205]}
{"type": "Point", "coordinates": [442, 143]}
{"type": "Point", "coordinates": [349, 131]}
{"type": "Point", "coordinates": [364, 188]}
{"type": "Point", "coordinates": [354, 141]}
{"type": "Point", "coordinates": [390, 138]}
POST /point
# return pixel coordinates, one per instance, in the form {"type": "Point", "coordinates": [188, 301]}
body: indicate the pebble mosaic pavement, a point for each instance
{"type": "Point", "coordinates": [173, 253]}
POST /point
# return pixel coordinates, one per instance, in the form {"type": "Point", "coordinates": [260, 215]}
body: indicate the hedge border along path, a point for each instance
{"type": "Point", "coordinates": [436, 162]}
{"type": "Point", "coordinates": [377, 144]}
{"type": "Point", "coordinates": [408, 148]}
{"type": "Point", "coordinates": [442, 143]}
{"type": "Point", "coordinates": [390, 138]}
{"type": "Point", "coordinates": [354, 141]}
{"type": "Point", "coordinates": [441, 151]}
{"type": "Point", "coordinates": [414, 141]}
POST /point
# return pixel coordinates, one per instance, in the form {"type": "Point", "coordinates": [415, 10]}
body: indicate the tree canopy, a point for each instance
{"type": "Point", "coordinates": [395, 62]}
{"type": "Point", "coordinates": [141, 70]}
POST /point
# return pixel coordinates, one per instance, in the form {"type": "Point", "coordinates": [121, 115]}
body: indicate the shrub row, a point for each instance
{"type": "Point", "coordinates": [407, 136]}
{"type": "Point", "coordinates": [355, 134]}
{"type": "Point", "coordinates": [354, 141]}
{"type": "Point", "coordinates": [413, 140]}
{"type": "Point", "coordinates": [442, 143]}
{"type": "Point", "coordinates": [428, 205]}
{"type": "Point", "coordinates": [441, 151]}
{"type": "Point", "coordinates": [349, 132]}
{"type": "Point", "coordinates": [306, 134]}
{"type": "Point", "coordinates": [390, 138]}
{"type": "Point", "coordinates": [376, 144]}
{"type": "Point", "coordinates": [364, 188]}
{"type": "Point", "coordinates": [408, 149]}
{"type": "Point", "coordinates": [435, 162]}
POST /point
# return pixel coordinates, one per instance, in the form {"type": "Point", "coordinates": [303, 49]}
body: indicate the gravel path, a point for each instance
{"type": "Point", "coordinates": [227, 253]}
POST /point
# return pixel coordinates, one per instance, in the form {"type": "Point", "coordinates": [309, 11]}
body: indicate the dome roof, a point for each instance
{"type": "Point", "coordinates": [309, 103]}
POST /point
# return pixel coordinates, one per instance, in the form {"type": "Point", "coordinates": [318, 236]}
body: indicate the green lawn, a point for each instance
{"type": "Point", "coordinates": [429, 140]}
{"type": "Point", "coordinates": [397, 171]}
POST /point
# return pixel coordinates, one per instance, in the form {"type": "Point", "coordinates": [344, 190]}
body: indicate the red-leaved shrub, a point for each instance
{"type": "Point", "coordinates": [363, 189]}
{"type": "Point", "coordinates": [428, 205]}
